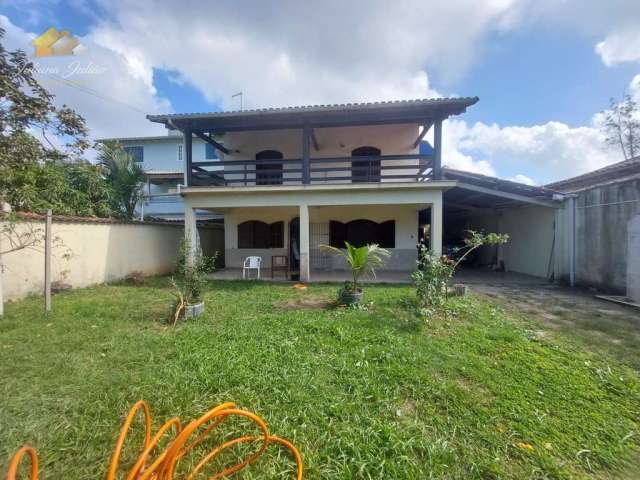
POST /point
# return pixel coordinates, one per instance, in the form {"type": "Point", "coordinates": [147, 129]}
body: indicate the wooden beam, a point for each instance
{"type": "Point", "coordinates": [437, 146]}
{"type": "Point", "coordinates": [306, 164]}
{"type": "Point", "coordinates": [211, 141]}
{"type": "Point", "coordinates": [425, 129]}
{"type": "Point", "coordinates": [314, 140]}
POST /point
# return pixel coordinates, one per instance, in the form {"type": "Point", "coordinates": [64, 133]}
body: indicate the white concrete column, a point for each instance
{"type": "Point", "coordinates": [304, 244]}
{"type": "Point", "coordinates": [191, 232]}
{"type": "Point", "coordinates": [436, 227]}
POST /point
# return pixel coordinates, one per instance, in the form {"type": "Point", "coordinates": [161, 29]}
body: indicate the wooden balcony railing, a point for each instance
{"type": "Point", "coordinates": [293, 171]}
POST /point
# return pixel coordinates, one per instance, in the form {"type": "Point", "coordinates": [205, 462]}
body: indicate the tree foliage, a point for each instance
{"type": "Point", "coordinates": [125, 176]}
{"type": "Point", "coordinates": [622, 126]}
{"type": "Point", "coordinates": [41, 148]}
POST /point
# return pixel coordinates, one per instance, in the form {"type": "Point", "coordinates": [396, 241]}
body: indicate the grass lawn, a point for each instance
{"type": "Point", "coordinates": [363, 394]}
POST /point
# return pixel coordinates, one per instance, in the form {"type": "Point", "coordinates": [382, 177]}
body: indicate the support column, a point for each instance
{"type": "Point", "coordinates": [191, 233]}
{"type": "Point", "coordinates": [436, 227]}
{"type": "Point", "coordinates": [304, 244]}
{"type": "Point", "coordinates": [188, 154]}
{"type": "Point", "coordinates": [437, 147]}
{"type": "Point", "coordinates": [306, 164]}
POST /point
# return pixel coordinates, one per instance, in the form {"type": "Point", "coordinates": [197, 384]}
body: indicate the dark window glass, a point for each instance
{"type": "Point", "coordinates": [337, 234]}
{"type": "Point", "coordinates": [365, 170]}
{"type": "Point", "coordinates": [268, 172]}
{"type": "Point", "coordinates": [210, 152]}
{"type": "Point", "coordinates": [362, 232]}
{"type": "Point", "coordinates": [387, 234]}
{"type": "Point", "coordinates": [257, 234]}
{"type": "Point", "coordinates": [136, 152]}
{"type": "Point", "coordinates": [277, 235]}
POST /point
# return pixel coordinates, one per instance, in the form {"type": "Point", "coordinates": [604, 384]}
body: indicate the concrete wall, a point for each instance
{"type": "Point", "coordinates": [602, 215]}
{"type": "Point", "coordinates": [406, 232]}
{"type": "Point", "coordinates": [633, 256]}
{"type": "Point", "coordinates": [99, 252]}
{"type": "Point", "coordinates": [531, 236]}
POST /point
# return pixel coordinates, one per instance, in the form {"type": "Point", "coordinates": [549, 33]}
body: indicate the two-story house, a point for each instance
{"type": "Point", "coordinates": [162, 158]}
{"type": "Point", "coordinates": [288, 180]}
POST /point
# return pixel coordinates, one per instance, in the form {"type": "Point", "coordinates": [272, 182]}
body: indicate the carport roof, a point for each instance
{"type": "Point", "coordinates": [475, 192]}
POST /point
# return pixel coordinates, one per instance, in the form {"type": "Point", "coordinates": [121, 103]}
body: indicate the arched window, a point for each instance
{"type": "Point", "coordinates": [362, 232]}
{"type": "Point", "coordinates": [268, 172]}
{"type": "Point", "coordinates": [367, 169]}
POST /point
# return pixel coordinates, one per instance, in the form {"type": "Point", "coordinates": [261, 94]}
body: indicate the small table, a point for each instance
{"type": "Point", "coordinates": [280, 263]}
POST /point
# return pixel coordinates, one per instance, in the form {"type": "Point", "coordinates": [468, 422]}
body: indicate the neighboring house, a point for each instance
{"type": "Point", "coordinates": [291, 179]}
{"type": "Point", "coordinates": [162, 158]}
{"type": "Point", "coordinates": [605, 202]}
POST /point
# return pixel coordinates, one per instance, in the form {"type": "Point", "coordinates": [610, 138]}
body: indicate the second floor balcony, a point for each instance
{"type": "Point", "coordinates": [354, 143]}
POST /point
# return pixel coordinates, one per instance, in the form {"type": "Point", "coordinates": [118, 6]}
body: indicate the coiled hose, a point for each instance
{"type": "Point", "coordinates": [164, 465]}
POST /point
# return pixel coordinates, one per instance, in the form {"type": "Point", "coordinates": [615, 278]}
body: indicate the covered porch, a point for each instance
{"type": "Point", "coordinates": [293, 224]}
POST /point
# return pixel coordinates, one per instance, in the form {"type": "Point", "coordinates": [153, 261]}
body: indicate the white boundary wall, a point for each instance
{"type": "Point", "coordinates": [101, 251]}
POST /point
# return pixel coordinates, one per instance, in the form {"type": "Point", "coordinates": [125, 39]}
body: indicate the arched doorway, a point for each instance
{"type": "Point", "coordinates": [269, 173]}
{"type": "Point", "coordinates": [365, 170]}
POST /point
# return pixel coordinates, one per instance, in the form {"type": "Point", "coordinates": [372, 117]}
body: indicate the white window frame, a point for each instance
{"type": "Point", "coordinates": [180, 152]}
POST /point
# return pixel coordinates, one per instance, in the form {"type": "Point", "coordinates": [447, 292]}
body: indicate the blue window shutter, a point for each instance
{"type": "Point", "coordinates": [210, 153]}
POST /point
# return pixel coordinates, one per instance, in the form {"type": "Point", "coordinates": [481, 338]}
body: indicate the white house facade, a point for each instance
{"type": "Point", "coordinates": [288, 180]}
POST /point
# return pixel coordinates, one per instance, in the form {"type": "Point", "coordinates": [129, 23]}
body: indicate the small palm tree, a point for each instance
{"type": "Point", "coordinates": [362, 260]}
{"type": "Point", "coordinates": [125, 175]}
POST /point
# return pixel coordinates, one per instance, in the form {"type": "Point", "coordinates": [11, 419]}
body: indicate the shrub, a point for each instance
{"type": "Point", "coordinates": [431, 278]}
{"type": "Point", "coordinates": [189, 278]}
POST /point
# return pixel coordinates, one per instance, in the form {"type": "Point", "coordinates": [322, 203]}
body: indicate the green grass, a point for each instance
{"type": "Point", "coordinates": [363, 394]}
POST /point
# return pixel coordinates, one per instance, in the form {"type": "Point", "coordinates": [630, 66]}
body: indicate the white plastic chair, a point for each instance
{"type": "Point", "coordinates": [251, 263]}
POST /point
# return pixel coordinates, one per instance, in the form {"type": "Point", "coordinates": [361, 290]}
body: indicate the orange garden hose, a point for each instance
{"type": "Point", "coordinates": [164, 465]}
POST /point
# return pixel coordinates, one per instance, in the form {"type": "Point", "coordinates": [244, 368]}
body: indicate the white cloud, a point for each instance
{"type": "Point", "coordinates": [546, 152]}
{"type": "Point", "coordinates": [373, 50]}
{"type": "Point", "coordinates": [620, 47]}
{"type": "Point", "coordinates": [100, 85]}
{"type": "Point", "coordinates": [520, 178]}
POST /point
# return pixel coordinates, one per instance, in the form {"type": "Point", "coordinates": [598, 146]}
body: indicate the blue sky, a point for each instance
{"type": "Point", "coordinates": [539, 72]}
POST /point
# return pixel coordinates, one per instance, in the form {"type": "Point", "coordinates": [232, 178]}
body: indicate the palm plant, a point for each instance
{"type": "Point", "coordinates": [125, 175]}
{"type": "Point", "coordinates": [362, 260]}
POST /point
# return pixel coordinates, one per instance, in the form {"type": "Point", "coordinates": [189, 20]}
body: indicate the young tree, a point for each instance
{"type": "Point", "coordinates": [622, 126]}
{"type": "Point", "coordinates": [125, 176]}
{"type": "Point", "coordinates": [27, 110]}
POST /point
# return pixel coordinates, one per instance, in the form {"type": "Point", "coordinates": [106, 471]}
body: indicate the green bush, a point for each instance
{"type": "Point", "coordinates": [431, 278]}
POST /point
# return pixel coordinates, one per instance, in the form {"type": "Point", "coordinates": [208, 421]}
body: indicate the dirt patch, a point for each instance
{"type": "Point", "coordinates": [307, 303]}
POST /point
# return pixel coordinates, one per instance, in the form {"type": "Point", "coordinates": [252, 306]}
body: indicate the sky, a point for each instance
{"type": "Point", "coordinates": [544, 69]}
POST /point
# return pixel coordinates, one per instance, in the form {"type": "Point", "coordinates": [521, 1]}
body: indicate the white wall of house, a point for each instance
{"type": "Point", "coordinates": [399, 202]}
{"type": "Point", "coordinates": [161, 153]}
{"type": "Point", "coordinates": [531, 238]}
{"type": "Point", "coordinates": [332, 142]}
{"type": "Point", "coordinates": [406, 231]}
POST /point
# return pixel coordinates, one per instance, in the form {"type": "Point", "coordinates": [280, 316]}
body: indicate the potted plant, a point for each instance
{"type": "Point", "coordinates": [188, 281]}
{"type": "Point", "coordinates": [361, 260]}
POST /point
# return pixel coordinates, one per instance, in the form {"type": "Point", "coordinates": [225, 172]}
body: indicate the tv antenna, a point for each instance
{"type": "Point", "coordinates": [239, 94]}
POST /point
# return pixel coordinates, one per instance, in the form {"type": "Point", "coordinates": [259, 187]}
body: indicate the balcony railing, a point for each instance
{"type": "Point", "coordinates": [293, 171]}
